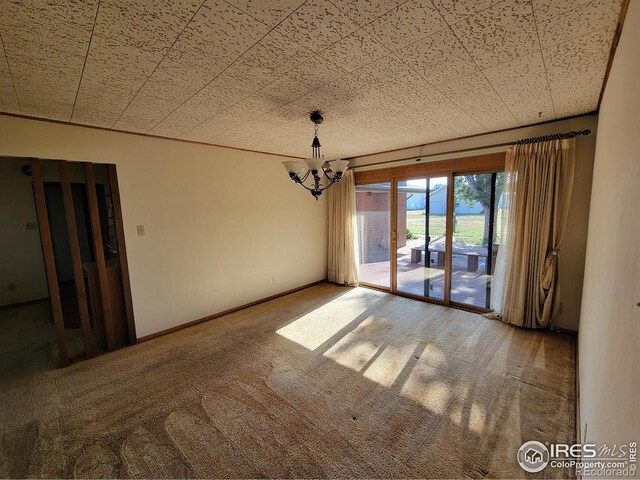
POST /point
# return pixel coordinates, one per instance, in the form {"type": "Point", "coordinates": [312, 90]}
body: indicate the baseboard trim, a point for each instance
{"type": "Point", "coordinates": [564, 331]}
{"type": "Point", "coordinates": [177, 328]}
{"type": "Point", "coordinates": [22, 304]}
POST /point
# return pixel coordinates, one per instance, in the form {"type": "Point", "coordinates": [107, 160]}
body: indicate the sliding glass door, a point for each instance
{"type": "Point", "coordinates": [373, 212]}
{"type": "Point", "coordinates": [421, 236]}
{"type": "Point", "coordinates": [432, 231]}
{"type": "Point", "coordinates": [475, 239]}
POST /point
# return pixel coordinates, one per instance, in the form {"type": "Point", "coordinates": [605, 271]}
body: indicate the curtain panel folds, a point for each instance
{"type": "Point", "coordinates": [342, 252]}
{"type": "Point", "coordinates": [538, 184]}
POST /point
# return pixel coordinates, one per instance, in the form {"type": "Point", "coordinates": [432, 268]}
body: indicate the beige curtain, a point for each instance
{"type": "Point", "coordinates": [538, 183]}
{"type": "Point", "coordinates": [343, 266]}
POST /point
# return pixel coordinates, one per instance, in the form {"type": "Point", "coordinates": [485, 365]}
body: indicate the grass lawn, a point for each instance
{"type": "Point", "coordinates": [468, 229]}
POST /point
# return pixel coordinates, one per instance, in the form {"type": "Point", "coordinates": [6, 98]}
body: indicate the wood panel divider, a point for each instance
{"type": "Point", "coordinates": [96, 231]}
{"type": "Point", "coordinates": [90, 348]}
{"type": "Point", "coordinates": [49, 261]}
{"type": "Point", "coordinates": [122, 252]}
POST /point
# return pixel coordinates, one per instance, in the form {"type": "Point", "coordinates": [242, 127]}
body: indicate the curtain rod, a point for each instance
{"type": "Point", "coordinates": [554, 136]}
{"type": "Point", "coordinates": [524, 141]}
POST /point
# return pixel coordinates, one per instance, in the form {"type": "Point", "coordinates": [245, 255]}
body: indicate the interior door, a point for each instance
{"type": "Point", "coordinates": [421, 237]}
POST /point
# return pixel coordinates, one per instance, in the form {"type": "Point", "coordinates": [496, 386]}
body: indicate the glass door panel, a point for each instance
{"type": "Point", "coordinates": [421, 237]}
{"type": "Point", "coordinates": [373, 211]}
{"type": "Point", "coordinates": [474, 238]}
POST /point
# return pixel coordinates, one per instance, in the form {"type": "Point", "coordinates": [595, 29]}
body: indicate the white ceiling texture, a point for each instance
{"type": "Point", "coordinates": [246, 73]}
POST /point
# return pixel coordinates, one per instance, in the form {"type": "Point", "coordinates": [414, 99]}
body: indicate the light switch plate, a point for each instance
{"type": "Point", "coordinates": [140, 229]}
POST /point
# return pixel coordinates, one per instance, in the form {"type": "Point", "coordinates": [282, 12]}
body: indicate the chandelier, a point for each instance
{"type": "Point", "coordinates": [321, 174]}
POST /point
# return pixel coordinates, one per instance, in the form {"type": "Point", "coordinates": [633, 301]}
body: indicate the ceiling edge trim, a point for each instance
{"type": "Point", "coordinates": [436, 157]}
{"type": "Point", "coordinates": [469, 136]}
{"type": "Point", "coordinates": [95, 127]}
{"type": "Point", "coordinates": [614, 47]}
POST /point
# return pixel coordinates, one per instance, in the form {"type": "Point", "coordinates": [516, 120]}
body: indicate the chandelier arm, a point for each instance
{"type": "Point", "coordinates": [305, 187]}
{"type": "Point", "coordinates": [328, 185]}
{"type": "Point", "coordinates": [327, 175]}
{"type": "Point", "coordinates": [305, 176]}
{"type": "Point", "coordinates": [316, 183]}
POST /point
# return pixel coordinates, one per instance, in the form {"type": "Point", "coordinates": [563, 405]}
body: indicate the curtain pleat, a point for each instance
{"type": "Point", "coordinates": [342, 252]}
{"type": "Point", "coordinates": [538, 185]}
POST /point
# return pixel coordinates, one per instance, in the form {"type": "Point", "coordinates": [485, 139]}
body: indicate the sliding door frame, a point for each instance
{"type": "Point", "coordinates": [392, 220]}
{"type": "Point", "coordinates": [448, 249]}
{"type": "Point", "coordinates": [403, 176]}
{"type": "Point", "coordinates": [491, 163]}
{"type": "Point", "coordinates": [478, 171]}
{"type": "Point", "coordinates": [393, 231]}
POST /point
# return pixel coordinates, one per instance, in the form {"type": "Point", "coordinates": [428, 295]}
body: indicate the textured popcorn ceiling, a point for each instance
{"type": "Point", "coordinates": [246, 73]}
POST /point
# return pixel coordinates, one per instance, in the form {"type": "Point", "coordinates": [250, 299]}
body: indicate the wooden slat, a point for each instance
{"type": "Point", "coordinates": [476, 164]}
{"type": "Point", "coordinates": [90, 349]}
{"type": "Point", "coordinates": [122, 253]}
{"type": "Point", "coordinates": [98, 248]}
{"type": "Point", "coordinates": [49, 261]}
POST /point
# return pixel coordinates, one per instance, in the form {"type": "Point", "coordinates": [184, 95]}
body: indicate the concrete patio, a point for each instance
{"type": "Point", "coordinates": [469, 288]}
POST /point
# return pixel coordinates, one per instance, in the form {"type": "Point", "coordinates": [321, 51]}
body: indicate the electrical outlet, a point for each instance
{"type": "Point", "coordinates": [273, 280]}
{"type": "Point", "coordinates": [140, 229]}
{"type": "Point", "coordinates": [13, 287]}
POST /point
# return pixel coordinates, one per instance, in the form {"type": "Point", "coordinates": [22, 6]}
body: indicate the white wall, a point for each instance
{"type": "Point", "coordinates": [220, 223]}
{"type": "Point", "coordinates": [609, 341]}
{"type": "Point", "coordinates": [572, 253]}
{"type": "Point", "coordinates": [21, 261]}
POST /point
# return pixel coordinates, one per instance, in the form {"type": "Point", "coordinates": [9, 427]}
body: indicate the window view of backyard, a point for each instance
{"type": "Point", "coordinates": [421, 235]}
{"type": "Point", "coordinates": [473, 254]}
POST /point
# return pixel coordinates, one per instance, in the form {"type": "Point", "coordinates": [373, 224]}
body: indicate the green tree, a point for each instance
{"type": "Point", "coordinates": [477, 188]}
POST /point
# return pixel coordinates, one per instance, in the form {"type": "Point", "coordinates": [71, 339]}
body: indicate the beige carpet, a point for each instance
{"type": "Point", "coordinates": [326, 382]}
